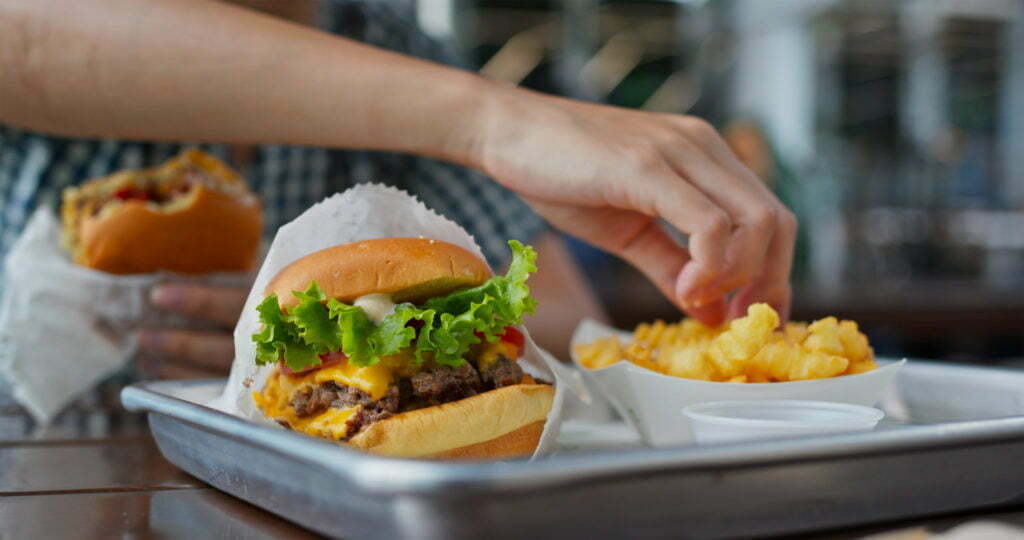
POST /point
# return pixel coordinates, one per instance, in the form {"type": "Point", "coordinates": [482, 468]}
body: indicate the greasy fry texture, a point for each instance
{"type": "Point", "coordinates": [749, 349]}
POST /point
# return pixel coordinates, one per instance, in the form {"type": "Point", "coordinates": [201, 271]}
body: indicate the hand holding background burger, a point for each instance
{"type": "Point", "coordinates": [179, 354]}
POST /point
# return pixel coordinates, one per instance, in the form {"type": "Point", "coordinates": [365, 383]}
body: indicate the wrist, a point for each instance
{"type": "Point", "coordinates": [489, 109]}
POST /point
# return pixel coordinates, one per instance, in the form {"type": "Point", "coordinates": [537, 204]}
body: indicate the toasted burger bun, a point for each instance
{"type": "Point", "coordinates": [505, 422]}
{"type": "Point", "coordinates": [211, 232]}
{"type": "Point", "coordinates": [407, 269]}
{"type": "Point", "coordinates": [207, 229]}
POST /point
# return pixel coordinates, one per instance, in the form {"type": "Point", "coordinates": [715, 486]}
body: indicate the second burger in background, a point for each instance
{"type": "Point", "coordinates": [402, 346]}
{"type": "Point", "coordinates": [192, 214]}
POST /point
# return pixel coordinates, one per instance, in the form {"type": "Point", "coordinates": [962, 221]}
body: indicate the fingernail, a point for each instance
{"type": "Point", "coordinates": [165, 296]}
{"type": "Point", "coordinates": [685, 300]}
{"type": "Point", "coordinates": [149, 340]}
{"type": "Point", "coordinates": [687, 295]}
{"type": "Point", "coordinates": [695, 297]}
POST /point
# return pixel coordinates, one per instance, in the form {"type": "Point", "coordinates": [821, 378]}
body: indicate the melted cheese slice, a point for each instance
{"type": "Point", "coordinates": [493, 351]}
{"type": "Point", "coordinates": [329, 424]}
{"type": "Point", "coordinates": [275, 398]}
{"type": "Point", "coordinates": [374, 380]}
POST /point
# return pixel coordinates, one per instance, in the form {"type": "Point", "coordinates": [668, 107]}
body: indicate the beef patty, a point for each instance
{"type": "Point", "coordinates": [425, 389]}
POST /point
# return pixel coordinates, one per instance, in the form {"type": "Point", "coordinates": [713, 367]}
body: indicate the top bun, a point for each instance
{"type": "Point", "coordinates": [407, 269]}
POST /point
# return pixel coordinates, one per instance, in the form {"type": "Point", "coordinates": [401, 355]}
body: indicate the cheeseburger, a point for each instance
{"type": "Point", "coordinates": [404, 347]}
{"type": "Point", "coordinates": [191, 214]}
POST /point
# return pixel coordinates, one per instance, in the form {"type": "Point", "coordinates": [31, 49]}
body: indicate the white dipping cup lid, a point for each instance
{"type": "Point", "coordinates": [728, 421]}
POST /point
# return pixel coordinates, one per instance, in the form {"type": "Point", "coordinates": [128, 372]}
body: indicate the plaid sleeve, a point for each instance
{"type": "Point", "coordinates": [491, 213]}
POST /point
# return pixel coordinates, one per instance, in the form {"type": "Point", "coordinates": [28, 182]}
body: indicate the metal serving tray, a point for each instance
{"type": "Point", "coordinates": [954, 440]}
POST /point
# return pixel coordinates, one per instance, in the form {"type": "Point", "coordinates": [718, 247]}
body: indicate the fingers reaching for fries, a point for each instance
{"type": "Point", "coordinates": [749, 349]}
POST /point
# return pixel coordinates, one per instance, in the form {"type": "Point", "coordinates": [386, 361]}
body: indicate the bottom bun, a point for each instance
{"type": "Point", "coordinates": [501, 423]}
{"type": "Point", "coordinates": [521, 442]}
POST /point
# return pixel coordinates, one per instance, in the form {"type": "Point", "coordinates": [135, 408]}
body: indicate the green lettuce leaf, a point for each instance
{"type": "Point", "coordinates": [313, 321]}
{"type": "Point", "coordinates": [268, 346]}
{"type": "Point", "coordinates": [392, 334]}
{"type": "Point", "coordinates": [280, 338]}
{"type": "Point", "coordinates": [448, 325]}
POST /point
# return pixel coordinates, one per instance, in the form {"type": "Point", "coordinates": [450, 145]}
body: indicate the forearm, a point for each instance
{"type": "Point", "coordinates": [207, 71]}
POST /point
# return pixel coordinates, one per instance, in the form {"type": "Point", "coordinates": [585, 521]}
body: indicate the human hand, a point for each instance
{"type": "Point", "coordinates": [180, 354]}
{"type": "Point", "coordinates": [606, 175]}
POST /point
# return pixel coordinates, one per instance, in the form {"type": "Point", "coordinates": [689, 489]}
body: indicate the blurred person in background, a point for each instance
{"type": "Point", "coordinates": [86, 83]}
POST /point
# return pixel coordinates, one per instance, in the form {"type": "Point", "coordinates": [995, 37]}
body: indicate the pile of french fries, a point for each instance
{"type": "Point", "coordinates": [749, 349]}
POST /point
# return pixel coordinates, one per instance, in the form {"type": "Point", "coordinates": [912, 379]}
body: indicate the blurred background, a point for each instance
{"type": "Point", "coordinates": [893, 129]}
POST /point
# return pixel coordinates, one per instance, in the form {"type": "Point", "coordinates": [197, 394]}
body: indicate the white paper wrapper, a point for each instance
{"type": "Point", "coordinates": [652, 402]}
{"type": "Point", "coordinates": [64, 328]}
{"type": "Point", "coordinates": [364, 212]}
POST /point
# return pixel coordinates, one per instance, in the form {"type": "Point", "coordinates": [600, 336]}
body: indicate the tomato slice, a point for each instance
{"type": "Point", "coordinates": [510, 336]}
{"type": "Point", "coordinates": [513, 336]}
{"type": "Point", "coordinates": [328, 359]}
{"type": "Point", "coordinates": [127, 194]}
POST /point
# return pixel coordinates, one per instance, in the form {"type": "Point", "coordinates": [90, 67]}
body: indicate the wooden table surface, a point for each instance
{"type": "Point", "coordinates": [96, 473]}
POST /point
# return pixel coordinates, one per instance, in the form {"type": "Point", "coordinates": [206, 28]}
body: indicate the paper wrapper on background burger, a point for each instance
{"type": "Point", "coordinates": [404, 347]}
{"type": "Point", "coordinates": [192, 215]}
{"type": "Point", "coordinates": [495, 422]}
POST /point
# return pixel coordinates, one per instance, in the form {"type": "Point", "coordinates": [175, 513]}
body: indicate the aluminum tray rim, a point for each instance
{"type": "Point", "coordinates": [394, 476]}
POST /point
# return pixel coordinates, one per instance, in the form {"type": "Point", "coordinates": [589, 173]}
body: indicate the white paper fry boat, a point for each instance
{"type": "Point", "coordinates": [652, 402]}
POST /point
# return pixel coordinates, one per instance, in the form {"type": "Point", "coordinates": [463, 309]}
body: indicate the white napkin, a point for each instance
{"type": "Point", "coordinates": [64, 328]}
{"type": "Point", "coordinates": [361, 213]}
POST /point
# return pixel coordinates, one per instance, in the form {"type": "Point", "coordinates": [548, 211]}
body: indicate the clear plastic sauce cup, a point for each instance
{"type": "Point", "coordinates": [730, 421]}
